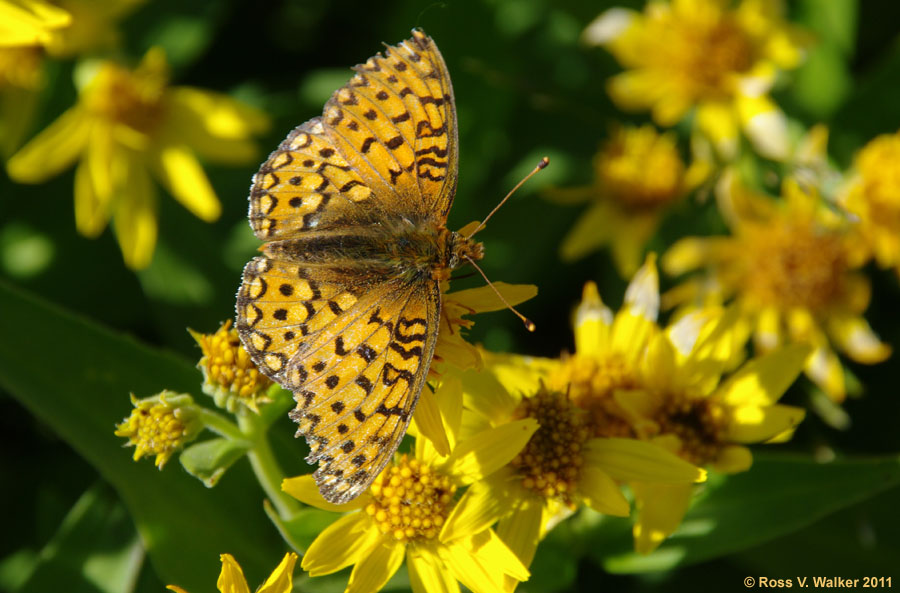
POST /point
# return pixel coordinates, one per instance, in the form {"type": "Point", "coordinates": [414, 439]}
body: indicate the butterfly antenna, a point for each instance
{"type": "Point", "coordinates": [544, 162]}
{"type": "Point", "coordinates": [529, 324]}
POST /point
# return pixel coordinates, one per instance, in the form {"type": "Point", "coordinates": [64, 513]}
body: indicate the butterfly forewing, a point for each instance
{"type": "Point", "coordinates": [325, 311]}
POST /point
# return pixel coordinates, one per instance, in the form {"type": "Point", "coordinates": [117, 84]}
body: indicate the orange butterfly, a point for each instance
{"type": "Point", "coordinates": [343, 305]}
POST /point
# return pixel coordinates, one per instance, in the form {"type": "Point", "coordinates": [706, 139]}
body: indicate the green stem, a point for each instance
{"type": "Point", "coordinates": [266, 468]}
{"type": "Point", "coordinates": [219, 424]}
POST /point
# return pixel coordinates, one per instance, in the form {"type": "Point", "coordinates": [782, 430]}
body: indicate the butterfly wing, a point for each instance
{"type": "Point", "coordinates": [355, 353]}
{"type": "Point", "coordinates": [386, 143]}
{"type": "Point", "coordinates": [353, 336]}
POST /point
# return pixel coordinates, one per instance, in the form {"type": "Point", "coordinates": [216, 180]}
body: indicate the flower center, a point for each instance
{"type": "Point", "coordinates": [640, 168]}
{"type": "Point", "coordinates": [698, 424]}
{"type": "Point", "coordinates": [160, 425]}
{"type": "Point", "coordinates": [550, 464]}
{"type": "Point", "coordinates": [590, 383]}
{"type": "Point", "coordinates": [411, 500]}
{"type": "Point", "coordinates": [794, 266]}
{"type": "Point", "coordinates": [133, 99]}
{"type": "Point", "coordinates": [706, 53]}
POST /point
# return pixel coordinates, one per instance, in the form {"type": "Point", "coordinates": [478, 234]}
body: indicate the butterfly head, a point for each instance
{"type": "Point", "coordinates": [459, 250]}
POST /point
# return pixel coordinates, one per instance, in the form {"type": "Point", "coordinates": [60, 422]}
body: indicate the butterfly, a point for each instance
{"type": "Point", "coordinates": [343, 304]}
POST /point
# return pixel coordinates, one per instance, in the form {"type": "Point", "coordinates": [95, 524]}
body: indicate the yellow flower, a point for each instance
{"type": "Point", "coordinates": [29, 22]}
{"type": "Point", "coordinates": [638, 175]}
{"type": "Point", "coordinates": [792, 269]}
{"type": "Point", "coordinates": [411, 512]}
{"type": "Point", "coordinates": [160, 425]}
{"type": "Point", "coordinates": [126, 125]}
{"type": "Point", "coordinates": [563, 465]}
{"type": "Point", "coordinates": [708, 55]}
{"type": "Point", "coordinates": [231, 579]}
{"type": "Point", "coordinates": [229, 376]}
{"type": "Point", "coordinates": [873, 195]}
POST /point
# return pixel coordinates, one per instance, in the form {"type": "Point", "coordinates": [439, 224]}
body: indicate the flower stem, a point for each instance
{"type": "Point", "coordinates": [219, 424]}
{"type": "Point", "coordinates": [266, 468]}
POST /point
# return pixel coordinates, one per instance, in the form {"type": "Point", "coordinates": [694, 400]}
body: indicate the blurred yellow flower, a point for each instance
{"type": "Point", "coordinates": [126, 125]}
{"type": "Point", "coordinates": [791, 267]}
{"type": "Point", "coordinates": [231, 579]}
{"type": "Point", "coordinates": [30, 22]}
{"type": "Point", "coordinates": [872, 194]}
{"type": "Point", "coordinates": [638, 175]}
{"type": "Point", "coordinates": [704, 54]}
{"type": "Point", "coordinates": [93, 26]}
{"type": "Point", "coordinates": [411, 512]}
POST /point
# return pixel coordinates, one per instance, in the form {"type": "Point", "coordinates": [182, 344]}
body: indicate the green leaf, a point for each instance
{"type": "Point", "coordinates": [95, 549]}
{"type": "Point", "coordinates": [76, 377]}
{"type": "Point", "coordinates": [207, 461]}
{"type": "Point", "coordinates": [778, 496]}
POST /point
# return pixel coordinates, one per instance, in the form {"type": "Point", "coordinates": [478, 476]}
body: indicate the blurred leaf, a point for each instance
{"type": "Point", "coordinates": [823, 82]}
{"type": "Point", "coordinates": [207, 461]}
{"type": "Point", "coordinates": [778, 496]}
{"type": "Point", "coordinates": [834, 22]}
{"type": "Point", "coordinates": [75, 376]}
{"type": "Point", "coordinates": [95, 549]}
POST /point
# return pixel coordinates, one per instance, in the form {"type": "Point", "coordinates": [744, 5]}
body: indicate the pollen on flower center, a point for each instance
{"type": "Point", "coordinates": [411, 500]}
{"type": "Point", "coordinates": [794, 266]}
{"type": "Point", "coordinates": [697, 423]}
{"type": "Point", "coordinates": [550, 464]}
{"type": "Point", "coordinates": [160, 425]}
{"type": "Point", "coordinates": [590, 383]}
{"type": "Point", "coordinates": [708, 52]}
{"type": "Point", "coordinates": [134, 99]}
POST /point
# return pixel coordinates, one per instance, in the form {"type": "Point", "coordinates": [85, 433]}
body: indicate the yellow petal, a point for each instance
{"type": "Point", "coordinates": [757, 425]}
{"type": "Point", "coordinates": [184, 178]}
{"type": "Point", "coordinates": [484, 394]}
{"type": "Point", "coordinates": [346, 541]}
{"type": "Point", "coordinates": [134, 217]}
{"type": "Point", "coordinates": [661, 507]}
{"type": "Point", "coordinates": [282, 578]}
{"type": "Point", "coordinates": [690, 254]}
{"type": "Point", "coordinates": [304, 489]}
{"type": "Point", "coordinates": [483, 299]}
{"type": "Point", "coordinates": [221, 115]}
{"type": "Point", "coordinates": [609, 26]}
{"type": "Point", "coordinates": [376, 567]}
{"type": "Point", "coordinates": [629, 460]}
{"type": "Point", "coordinates": [593, 321]}
{"type": "Point", "coordinates": [768, 329]}
{"type": "Point", "coordinates": [521, 530]}
{"type": "Point", "coordinates": [495, 555]}
{"type": "Point", "coordinates": [231, 579]}
{"type": "Point", "coordinates": [717, 121]}
{"type": "Point", "coordinates": [601, 493]}
{"type": "Point", "coordinates": [482, 505]}
{"type": "Point", "coordinates": [95, 183]}
{"type": "Point", "coordinates": [765, 125]}
{"type": "Point", "coordinates": [733, 459]}
{"type": "Point", "coordinates": [427, 574]}
{"type": "Point", "coordinates": [762, 381]}
{"type": "Point", "coordinates": [824, 368]}
{"type": "Point", "coordinates": [642, 294]}
{"type": "Point", "coordinates": [854, 336]}
{"type": "Point", "coordinates": [589, 233]}
{"type": "Point", "coordinates": [480, 562]}
{"type": "Point", "coordinates": [52, 150]}
{"type": "Point", "coordinates": [29, 22]}
{"type": "Point", "coordinates": [486, 452]}
{"type": "Point", "coordinates": [428, 423]}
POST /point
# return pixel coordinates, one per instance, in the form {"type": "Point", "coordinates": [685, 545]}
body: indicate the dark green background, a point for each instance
{"type": "Point", "coordinates": [524, 88]}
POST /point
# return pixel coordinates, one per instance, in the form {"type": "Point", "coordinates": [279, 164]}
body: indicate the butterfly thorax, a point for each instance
{"type": "Point", "coordinates": [394, 247]}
